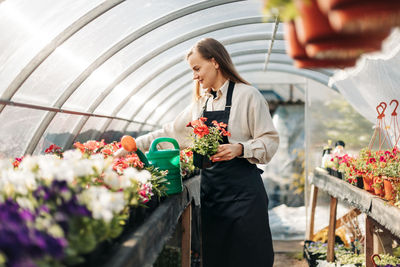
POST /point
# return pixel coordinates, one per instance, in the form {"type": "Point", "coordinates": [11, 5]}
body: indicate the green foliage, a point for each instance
{"type": "Point", "coordinates": [208, 144]}
{"type": "Point", "coordinates": [337, 120]}
{"type": "Point", "coordinates": [158, 181]}
{"type": "Point", "coordinates": [286, 9]}
{"type": "Point", "coordinates": [2, 259]}
{"type": "Point", "coordinates": [298, 172]}
{"type": "Point", "coordinates": [387, 259]}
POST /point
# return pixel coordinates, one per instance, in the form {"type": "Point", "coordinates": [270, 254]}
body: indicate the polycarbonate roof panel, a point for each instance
{"type": "Point", "coordinates": [146, 71]}
{"type": "Point", "coordinates": [133, 128]}
{"type": "Point", "coordinates": [58, 132]}
{"type": "Point", "coordinates": [17, 125]}
{"type": "Point", "coordinates": [134, 79]}
{"type": "Point", "coordinates": [77, 53]}
{"type": "Point", "coordinates": [91, 129]}
{"type": "Point", "coordinates": [131, 57]}
{"type": "Point", "coordinates": [27, 27]}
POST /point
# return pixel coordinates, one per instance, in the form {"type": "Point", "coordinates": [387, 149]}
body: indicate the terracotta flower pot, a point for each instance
{"type": "Point", "coordinates": [323, 42]}
{"type": "Point", "coordinates": [310, 63]}
{"type": "Point", "coordinates": [297, 51]}
{"type": "Point", "coordinates": [367, 180]}
{"type": "Point", "coordinates": [364, 15]}
{"type": "Point", "coordinates": [311, 24]}
{"type": "Point", "coordinates": [293, 47]}
{"type": "Point", "coordinates": [347, 47]}
{"type": "Point", "coordinates": [328, 5]}
{"type": "Point", "coordinates": [390, 188]}
{"type": "Point", "coordinates": [378, 186]}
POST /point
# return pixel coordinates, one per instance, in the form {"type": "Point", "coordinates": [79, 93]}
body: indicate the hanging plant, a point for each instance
{"type": "Point", "coordinates": [301, 60]}
{"type": "Point", "coordinates": [323, 42]}
{"type": "Point", "coordinates": [361, 16]}
{"type": "Point", "coordinates": [317, 43]}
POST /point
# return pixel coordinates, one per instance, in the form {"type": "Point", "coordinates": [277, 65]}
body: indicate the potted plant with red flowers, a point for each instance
{"type": "Point", "coordinates": [206, 140]}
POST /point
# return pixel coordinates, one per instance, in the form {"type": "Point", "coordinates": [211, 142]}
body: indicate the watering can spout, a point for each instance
{"type": "Point", "coordinates": [128, 145]}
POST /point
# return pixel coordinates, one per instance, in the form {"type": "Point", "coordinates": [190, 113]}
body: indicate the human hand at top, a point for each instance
{"type": "Point", "coordinates": [227, 152]}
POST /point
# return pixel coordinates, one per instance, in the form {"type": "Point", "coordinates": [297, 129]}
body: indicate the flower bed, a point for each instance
{"type": "Point", "coordinates": [58, 208]}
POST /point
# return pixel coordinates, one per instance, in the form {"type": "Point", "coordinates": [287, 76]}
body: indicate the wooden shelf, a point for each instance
{"type": "Point", "coordinates": [375, 207]}
{"type": "Point", "coordinates": [380, 214]}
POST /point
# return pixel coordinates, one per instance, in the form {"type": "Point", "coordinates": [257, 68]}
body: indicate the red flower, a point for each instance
{"type": "Point", "coordinates": [197, 123]}
{"type": "Point", "coordinates": [17, 161]}
{"type": "Point", "coordinates": [372, 160]}
{"type": "Point", "coordinates": [201, 131]}
{"type": "Point", "coordinates": [219, 125]}
{"type": "Point", "coordinates": [79, 146]}
{"type": "Point", "coordinates": [52, 148]}
{"type": "Point", "coordinates": [382, 159]}
{"type": "Point", "coordinates": [225, 133]}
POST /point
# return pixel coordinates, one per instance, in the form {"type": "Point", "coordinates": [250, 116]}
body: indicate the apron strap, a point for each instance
{"type": "Point", "coordinates": [228, 98]}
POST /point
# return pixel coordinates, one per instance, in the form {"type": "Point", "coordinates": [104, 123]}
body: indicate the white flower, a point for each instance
{"type": "Point", "coordinates": [17, 182]}
{"type": "Point", "coordinates": [103, 203]}
{"type": "Point", "coordinates": [5, 164]}
{"type": "Point", "coordinates": [144, 176]}
{"type": "Point", "coordinates": [131, 173]}
{"type": "Point", "coordinates": [25, 203]}
{"type": "Point", "coordinates": [141, 176]}
{"type": "Point", "coordinates": [47, 165]}
{"type": "Point", "coordinates": [115, 181]}
{"type": "Point", "coordinates": [82, 168]}
{"type": "Point", "coordinates": [64, 172]}
{"type": "Point", "coordinates": [28, 163]}
{"type": "Point", "coordinates": [73, 154]}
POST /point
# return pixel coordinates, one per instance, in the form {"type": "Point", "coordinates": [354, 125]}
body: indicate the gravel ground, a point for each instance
{"type": "Point", "coordinates": [287, 259]}
{"type": "Point", "coordinates": [289, 254]}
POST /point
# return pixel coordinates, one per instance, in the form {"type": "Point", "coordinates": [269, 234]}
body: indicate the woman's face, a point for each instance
{"type": "Point", "coordinates": [204, 71]}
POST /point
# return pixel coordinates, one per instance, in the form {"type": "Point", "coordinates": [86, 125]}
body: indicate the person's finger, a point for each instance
{"type": "Point", "coordinates": [225, 154]}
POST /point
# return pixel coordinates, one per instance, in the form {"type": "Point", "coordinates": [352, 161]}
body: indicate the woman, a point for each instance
{"type": "Point", "coordinates": [234, 204]}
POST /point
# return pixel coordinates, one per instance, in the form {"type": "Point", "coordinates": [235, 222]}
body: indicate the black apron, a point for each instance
{"type": "Point", "coordinates": [234, 209]}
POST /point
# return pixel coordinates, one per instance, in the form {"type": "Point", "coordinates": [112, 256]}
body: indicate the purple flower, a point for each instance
{"type": "Point", "coordinates": [21, 242]}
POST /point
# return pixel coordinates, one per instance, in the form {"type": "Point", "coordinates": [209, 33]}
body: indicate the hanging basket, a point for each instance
{"type": "Point", "coordinates": [347, 46]}
{"type": "Point", "coordinates": [321, 41]}
{"type": "Point", "coordinates": [361, 16]}
{"type": "Point", "coordinates": [310, 63]}
{"type": "Point", "coordinates": [297, 51]}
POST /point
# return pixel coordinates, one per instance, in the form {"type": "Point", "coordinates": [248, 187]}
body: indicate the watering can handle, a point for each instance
{"type": "Point", "coordinates": [163, 139]}
{"type": "Point", "coordinates": [142, 157]}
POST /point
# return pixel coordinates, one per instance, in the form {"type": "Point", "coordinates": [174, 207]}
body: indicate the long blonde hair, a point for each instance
{"type": "Point", "coordinates": [210, 48]}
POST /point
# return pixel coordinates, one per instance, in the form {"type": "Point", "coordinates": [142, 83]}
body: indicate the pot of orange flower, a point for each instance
{"type": "Point", "coordinates": [390, 180]}
{"type": "Point", "coordinates": [365, 165]}
{"type": "Point", "coordinates": [206, 140]}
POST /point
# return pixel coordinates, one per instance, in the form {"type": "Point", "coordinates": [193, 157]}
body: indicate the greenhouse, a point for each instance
{"type": "Point", "coordinates": [199, 133]}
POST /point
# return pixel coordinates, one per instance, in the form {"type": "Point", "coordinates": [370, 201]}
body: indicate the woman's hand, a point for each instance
{"type": "Point", "coordinates": [227, 152]}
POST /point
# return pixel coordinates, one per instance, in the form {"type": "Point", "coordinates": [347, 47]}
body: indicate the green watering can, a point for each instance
{"type": "Point", "coordinates": [167, 159]}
